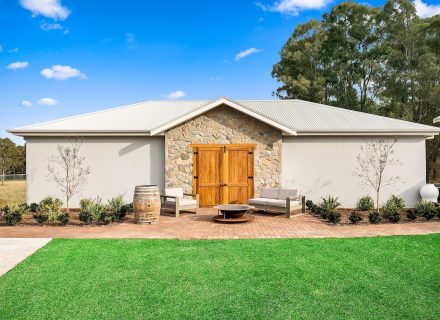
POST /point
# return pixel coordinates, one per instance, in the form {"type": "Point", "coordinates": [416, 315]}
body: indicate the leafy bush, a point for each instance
{"type": "Point", "coordinates": [33, 207]}
{"type": "Point", "coordinates": [309, 204]}
{"type": "Point", "coordinates": [391, 212]}
{"type": "Point", "coordinates": [355, 217]}
{"type": "Point", "coordinates": [63, 218]}
{"type": "Point", "coordinates": [24, 207]}
{"type": "Point", "coordinates": [51, 207]}
{"type": "Point", "coordinates": [41, 217]}
{"type": "Point", "coordinates": [411, 214]}
{"type": "Point", "coordinates": [324, 213]}
{"type": "Point", "coordinates": [365, 203]}
{"type": "Point", "coordinates": [91, 210]}
{"type": "Point", "coordinates": [107, 216]}
{"type": "Point", "coordinates": [330, 203]}
{"type": "Point", "coordinates": [426, 209]}
{"type": "Point", "coordinates": [13, 215]}
{"type": "Point", "coordinates": [334, 217]}
{"type": "Point", "coordinates": [397, 201]}
{"type": "Point", "coordinates": [374, 217]}
{"type": "Point", "coordinates": [316, 209]}
{"type": "Point", "coordinates": [438, 212]}
{"type": "Point", "coordinates": [118, 208]}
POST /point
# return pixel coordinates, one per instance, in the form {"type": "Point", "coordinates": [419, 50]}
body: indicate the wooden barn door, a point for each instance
{"type": "Point", "coordinates": [223, 173]}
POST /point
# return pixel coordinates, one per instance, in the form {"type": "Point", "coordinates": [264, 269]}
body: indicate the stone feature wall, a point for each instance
{"type": "Point", "coordinates": [223, 125]}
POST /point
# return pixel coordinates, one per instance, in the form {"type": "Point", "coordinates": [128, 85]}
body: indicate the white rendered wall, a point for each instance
{"type": "Point", "coordinates": [322, 166]}
{"type": "Point", "coordinates": [117, 165]}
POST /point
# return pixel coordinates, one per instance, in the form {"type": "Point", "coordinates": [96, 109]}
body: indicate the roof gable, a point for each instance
{"type": "Point", "coordinates": [215, 104]}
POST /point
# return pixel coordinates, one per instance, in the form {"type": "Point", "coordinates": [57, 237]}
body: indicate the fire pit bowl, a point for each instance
{"type": "Point", "coordinates": [233, 211]}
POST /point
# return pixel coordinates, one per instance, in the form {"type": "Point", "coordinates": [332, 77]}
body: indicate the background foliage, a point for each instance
{"type": "Point", "coordinates": [381, 60]}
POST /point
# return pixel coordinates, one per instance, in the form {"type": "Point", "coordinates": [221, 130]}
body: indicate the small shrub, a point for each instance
{"type": "Point", "coordinates": [391, 212]}
{"type": "Point", "coordinates": [13, 215]}
{"type": "Point", "coordinates": [438, 212]}
{"type": "Point", "coordinates": [426, 209]}
{"type": "Point", "coordinates": [330, 203]}
{"type": "Point", "coordinates": [355, 217]}
{"type": "Point", "coordinates": [33, 207]}
{"type": "Point", "coordinates": [374, 217]}
{"type": "Point", "coordinates": [107, 216]}
{"type": "Point", "coordinates": [411, 214]}
{"type": "Point", "coordinates": [24, 207]}
{"type": "Point", "coordinates": [365, 203]}
{"type": "Point", "coordinates": [63, 218]}
{"type": "Point", "coordinates": [397, 201]}
{"type": "Point", "coordinates": [309, 204]}
{"type": "Point", "coordinates": [51, 207]}
{"type": "Point", "coordinates": [91, 210]}
{"type": "Point", "coordinates": [324, 213]}
{"type": "Point", "coordinates": [334, 217]}
{"type": "Point", "coordinates": [40, 217]}
{"type": "Point", "coordinates": [316, 209]}
{"type": "Point", "coordinates": [118, 207]}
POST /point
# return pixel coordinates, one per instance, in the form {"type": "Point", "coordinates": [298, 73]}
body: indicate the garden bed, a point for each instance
{"type": "Point", "coordinates": [345, 213]}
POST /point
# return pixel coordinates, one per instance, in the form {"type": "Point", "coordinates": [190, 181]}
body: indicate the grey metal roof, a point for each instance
{"type": "Point", "coordinates": [301, 116]}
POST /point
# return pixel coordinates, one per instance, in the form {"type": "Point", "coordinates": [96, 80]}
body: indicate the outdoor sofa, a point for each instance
{"type": "Point", "coordinates": [279, 200]}
{"type": "Point", "coordinates": [173, 201]}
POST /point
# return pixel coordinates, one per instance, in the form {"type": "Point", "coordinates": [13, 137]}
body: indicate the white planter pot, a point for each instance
{"type": "Point", "coordinates": [429, 192]}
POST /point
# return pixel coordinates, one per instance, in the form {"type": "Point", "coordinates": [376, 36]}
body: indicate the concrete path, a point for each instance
{"type": "Point", "coordinates": [15, 250]}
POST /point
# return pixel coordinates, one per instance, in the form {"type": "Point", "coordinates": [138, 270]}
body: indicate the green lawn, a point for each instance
{"type": "Point", "coordinates": [364, 278]}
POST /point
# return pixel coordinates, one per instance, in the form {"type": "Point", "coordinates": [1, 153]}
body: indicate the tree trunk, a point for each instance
{"type": "Point", "coordinates": [377, 201]}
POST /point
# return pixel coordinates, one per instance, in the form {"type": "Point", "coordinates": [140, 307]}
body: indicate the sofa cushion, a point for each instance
{"type": "Point", "coordinates": [281, 203]}
{"type": "Point", "coordinates": [182, 202]}
{"type": "Point", "coordinates": [285, 193]}
{"type": "Point", "coordinates": [258, 201]}
{"type": "Point", "coordinates": [271, 193]}
{"type": "Point", "coordinates": [175, 192]}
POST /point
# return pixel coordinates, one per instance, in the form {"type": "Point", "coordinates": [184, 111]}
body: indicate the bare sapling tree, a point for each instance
{"type": "Point", "coordinates": [375, 157]}
{"type": "Point", "coordinates": [68, 170]}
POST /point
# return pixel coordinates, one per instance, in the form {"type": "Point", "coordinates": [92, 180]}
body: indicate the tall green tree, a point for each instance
{"type": "Point", "coordinates": [301, 67]}
{"type": "Point", "coordinates": [8, 155]}
{"type": "Point", "coordinates": [383, 60]}
{"type": "Point", "coordinates": [352, 50]}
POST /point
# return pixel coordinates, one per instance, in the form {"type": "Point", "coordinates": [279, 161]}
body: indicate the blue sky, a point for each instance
{"type": "Point", "coordinates": [65, 57]}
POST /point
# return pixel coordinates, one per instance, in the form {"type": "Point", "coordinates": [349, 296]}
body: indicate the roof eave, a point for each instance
{"type": "Point", "coordinates": [30, 133]}
{"type": "Point", "coordinates": [425, 133]}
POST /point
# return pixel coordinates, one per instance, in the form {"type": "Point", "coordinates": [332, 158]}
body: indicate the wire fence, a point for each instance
{"type": "Point", "coordinates": [14, 176]}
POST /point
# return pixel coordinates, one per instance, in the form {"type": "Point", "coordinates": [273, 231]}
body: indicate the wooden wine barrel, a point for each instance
{"type": "Point", "coordinates": [146, 204]}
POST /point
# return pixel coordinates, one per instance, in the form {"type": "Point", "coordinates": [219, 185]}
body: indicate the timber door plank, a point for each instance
{"type": "Point", "coordinates": [223, 174]}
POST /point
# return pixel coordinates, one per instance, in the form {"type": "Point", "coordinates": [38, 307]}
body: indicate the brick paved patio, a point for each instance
{"type": "Point", "coordinates": [201, 226]}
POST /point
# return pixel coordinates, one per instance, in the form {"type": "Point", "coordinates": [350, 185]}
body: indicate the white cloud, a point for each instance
{"type": "Point", "coordinates": [293, 7]}
{"type": "Point", "coordinates": [59, 72]}
{"type": "Point", "coordinates": [176, 95]}
{"type": "Point", "coordinates": [426, 10]}
{"type": "Point", "coordinates": [26, 103]}
{"type": "Point", "coordinates": [130, 39]}
{"type": "Point", "coordinates": [47, 102]}
{"type": "Point", "coordinates": [51, 26]}
{"type": "Point", "coordinates": [246, 53]}
{"type": "Point", "coordinates": [18, 65]}
{"type": "Point", "coordinates": [13, 50]}
{"type": "Point", "coordinates": [48, 8]}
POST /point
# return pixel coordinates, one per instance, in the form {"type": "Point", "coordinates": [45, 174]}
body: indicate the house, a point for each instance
{"type": "Point", "coordinates": [227, 150]}
{"type": "Point", "coordinates": [437, 120]}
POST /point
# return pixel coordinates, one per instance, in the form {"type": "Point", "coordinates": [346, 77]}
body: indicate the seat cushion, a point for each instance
{"type": "Point", "coordinates": [258, 201]}
{"type": "Point", "coordinates": [276, 203]}
{"type": "Point", "coordinates": [285, 193]}
{"type": "Point", "coordinates": [271, 193]}
{"type": "Point", "coordinates": [175, 192]}
{"type": "Point", "coordinates": [182, 202]}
